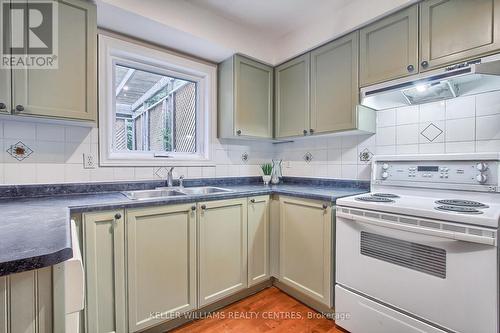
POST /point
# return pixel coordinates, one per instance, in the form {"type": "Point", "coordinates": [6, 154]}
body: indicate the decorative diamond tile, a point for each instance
{"type": "Point", "coordinates": [244, 157]}
{"type": "Point", "coordinates": [308, 157]}
{"type": "Point", "coordinates": [20, 151]}
{"type": "Point", "coordinates": [365, 155]}
{"type": "Point", "coordinates": [161, 172]}
{"type": "Point", "coordinates": [431, 132]}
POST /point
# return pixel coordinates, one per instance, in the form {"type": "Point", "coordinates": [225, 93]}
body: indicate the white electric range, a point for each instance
{"type": "Point", "coordinates": [420, 252]}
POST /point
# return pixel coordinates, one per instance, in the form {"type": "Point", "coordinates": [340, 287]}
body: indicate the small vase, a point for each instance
{"type": "Point", "coordinates": [266, 179]}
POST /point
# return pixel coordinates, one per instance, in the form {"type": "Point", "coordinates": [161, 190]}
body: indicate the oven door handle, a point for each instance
{"type": "Point", "coordinates": [420, 230]}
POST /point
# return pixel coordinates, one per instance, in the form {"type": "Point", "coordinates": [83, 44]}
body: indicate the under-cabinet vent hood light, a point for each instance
{"type": "Point", "coordinates": [469, 78]}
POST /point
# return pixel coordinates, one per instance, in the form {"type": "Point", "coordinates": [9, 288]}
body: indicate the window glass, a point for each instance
{"type": "Point", "coordinates": [153, 112]}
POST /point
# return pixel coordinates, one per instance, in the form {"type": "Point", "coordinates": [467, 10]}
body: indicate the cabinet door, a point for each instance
{"type": "Point", "coordinates": [253, 98]}
{"type": "Point", "coordinates": [456, 30]}
{"type": "Point", "coordinates": [306, 247]}
{"type": "Point", "coordinates": [292, 97]}
{"type": "Point", "coordinates": [334, 85]}
{"type": "Point", "coordinates": [258, 239]}
{"type": "Point", "coordinates": [222, 249]}
{"type": "Point", "coordinates": [389, 47]}
{"type": "Point", "coordinates": [161, 247]}
{"type": "Point", "coordinates": [70, 90]}
{"type": "Point", "coordinates": [5, 96]}
{"type": "Point", "coordinates": [104, 261]}
{"type": "Point", "coordinates": [26, 302]}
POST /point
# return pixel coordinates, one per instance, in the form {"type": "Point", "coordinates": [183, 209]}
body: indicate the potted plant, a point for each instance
{"type": "Point", "coordinates": [267, 170]}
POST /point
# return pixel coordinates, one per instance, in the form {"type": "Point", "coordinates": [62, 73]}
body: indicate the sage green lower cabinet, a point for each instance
{"type": "Point", "coordinates": [104, 263]}
{"type": "Point", "coordinates": [26, 302]}
{"type": "Point", "coordinates": [258, 239]}
{"type": "Point", "coordinates": [222, 249]}
{"type": "Point", "coordinates": [306, 247]}
{"type": "Point", "coordinates": [334, 85]}
{"type": "Point", "coordinates": [161, 264]}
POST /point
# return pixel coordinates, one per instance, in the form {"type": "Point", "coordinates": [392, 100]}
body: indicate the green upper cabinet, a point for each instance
{"type": "Point", "coordinates": [292, 97]}
{"type": "Point", "coordinates": [457, 30]}
{"type": "Point", "coordinates": [5, 96]}
{"type": "Point", "coordinates": [70, 90]}
{"type": "Point", "coordinates": [245, 98]}
{"type": "Point", "coordinates": [334, 85]}
{"type": "Point", "coordinates": [389, 47]}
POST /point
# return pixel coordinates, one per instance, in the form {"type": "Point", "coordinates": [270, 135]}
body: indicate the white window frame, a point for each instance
{"type": "Point", "coordinates": [114, 51]}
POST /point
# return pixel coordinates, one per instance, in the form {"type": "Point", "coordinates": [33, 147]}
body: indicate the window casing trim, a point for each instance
{"type": "Point", "coordinates": [113, 52]}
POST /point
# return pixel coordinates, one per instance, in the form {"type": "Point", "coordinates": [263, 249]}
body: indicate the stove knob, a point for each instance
{"type": "Point", "coordinates": [481, 178]}
{"type": "Point", "coordinates": [385, 175]}
{"type": "Point", "coordinates": [482, 166]}
{"type": "Point", "coordinates": [385, 166]}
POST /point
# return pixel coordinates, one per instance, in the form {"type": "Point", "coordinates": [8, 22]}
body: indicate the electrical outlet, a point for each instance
{"type": "Point", "coordinates": [88, 161]}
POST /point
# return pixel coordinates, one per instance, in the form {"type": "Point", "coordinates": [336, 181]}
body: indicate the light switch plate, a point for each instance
{"type": "Point", "coordinates": [88, 161]}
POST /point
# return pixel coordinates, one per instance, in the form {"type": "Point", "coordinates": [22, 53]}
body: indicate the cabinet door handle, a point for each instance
{"type": "Point", "coordinates": [305, 132]}
{"type": "Point", "coordinates": [238, 132]}
{"type": "Point", "coordinates": [325, 206]}
{"type": "Point", "coordinates": [203, 207]}
{"type": "Point", "coordinates": [252, 200]}
{"type": "Point", "coordinates": [118, 216]}
{"type": "Point", "coordinates": [425, 64]}
{"type": "Point", "coordinates": [410, 68]}
{"type": "Point", "coordinates": [193, 207]}
{"type": "Point", "coordinates": [19, 108]}
{"type": "Point", "coordinates": [311, 130]}
{"type": "Point", "coordinates": [2, 106]}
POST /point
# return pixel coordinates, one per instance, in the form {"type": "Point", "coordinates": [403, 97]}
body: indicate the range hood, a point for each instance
{"type": "Point", "coordinates": [469, 78]}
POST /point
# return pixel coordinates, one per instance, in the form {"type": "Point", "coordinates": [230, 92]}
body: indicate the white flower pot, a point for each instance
{"type": "Point", "coordinates": [266, 179]}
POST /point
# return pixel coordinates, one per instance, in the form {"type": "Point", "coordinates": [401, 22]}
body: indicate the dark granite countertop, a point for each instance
{"type": "Point", "coordinates": [35, 231]}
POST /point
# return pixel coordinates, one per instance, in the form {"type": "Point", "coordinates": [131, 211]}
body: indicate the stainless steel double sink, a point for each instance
{"type": "Point", "coordinates": [164, 192]}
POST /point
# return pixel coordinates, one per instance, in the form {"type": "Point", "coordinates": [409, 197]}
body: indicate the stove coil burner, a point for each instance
{"type": "Point", "coordinates": [385, 195]}
{"type": "Point", "coordinates": [462, 203]}
{"type": "Point", "coordinates": [374, 199]}
{"type": "Point", "coordinates": [459, 209]}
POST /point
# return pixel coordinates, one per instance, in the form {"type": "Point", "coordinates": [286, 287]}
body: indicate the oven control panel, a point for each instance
{"type": "Point", "coordinates": [444, 172]}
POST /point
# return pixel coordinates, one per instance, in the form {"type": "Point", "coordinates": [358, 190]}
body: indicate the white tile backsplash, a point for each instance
{"type": "Point", "coordinates": [462, 107]}
{"type": "Point", "coordinates": [407, 115]}
{"type": "Point", "coordinates": [488, 127]}
{"type": "Point", "coordinates": [469, 124]}
{"type": "Point", "coordinates": [460, 129]}
{"type": "Point", "coordinates": [407, 134]}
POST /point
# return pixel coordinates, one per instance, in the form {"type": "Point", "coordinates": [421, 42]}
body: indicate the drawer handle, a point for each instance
{"type": "Point", "coordinates": [410, 68]}
{"type": "Point", "coordinates": [425, 64]}
{"type": "Point", "coordinates": [325, 206]}
{"type": "Point", "coordinates": [203, 207]}
{"type": "Point", "coordinates": [252, 200]}
{"type": "Point", "coordinates": [118, 216]}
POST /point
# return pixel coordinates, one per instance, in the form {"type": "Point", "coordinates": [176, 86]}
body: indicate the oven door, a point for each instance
{"type": "Point", "coordinates": [438, 272]}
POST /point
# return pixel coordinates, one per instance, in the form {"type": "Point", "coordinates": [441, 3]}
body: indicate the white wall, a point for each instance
{"type": "Point", "coordinates": [195, 30]}
{"type": "Point", "coordinates": [333, 24]}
